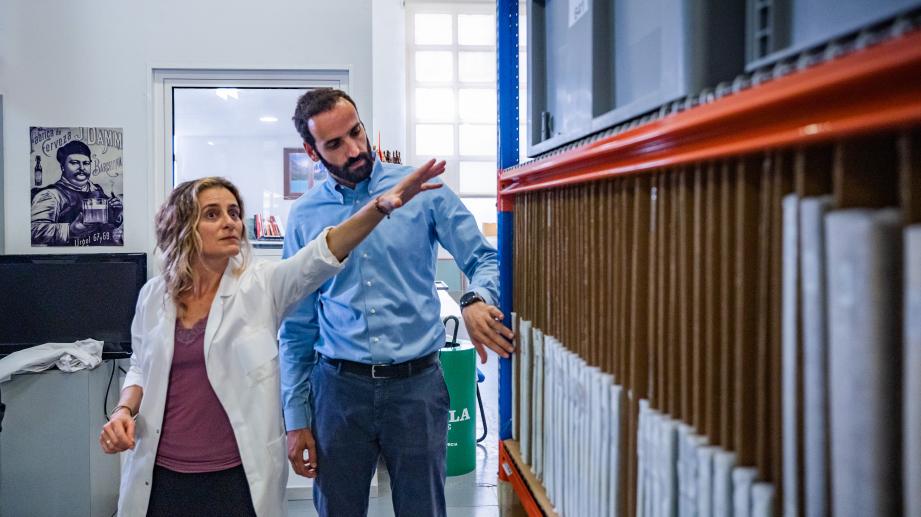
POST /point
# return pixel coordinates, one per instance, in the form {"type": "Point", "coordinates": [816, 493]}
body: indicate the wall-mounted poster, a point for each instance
{"type": "Point", "coordinates": [77, 189]}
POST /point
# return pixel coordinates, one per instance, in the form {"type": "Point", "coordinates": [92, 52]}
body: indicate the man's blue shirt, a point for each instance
{"type": "Point", "coordinates": [382, 307]}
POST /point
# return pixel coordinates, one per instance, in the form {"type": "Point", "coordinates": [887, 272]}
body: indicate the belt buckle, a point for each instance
{"type": "Point", "coordinates": [374, 374]}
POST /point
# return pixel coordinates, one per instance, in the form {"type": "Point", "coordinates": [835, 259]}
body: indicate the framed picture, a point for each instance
{"type": "Point", "coordinates": [299, 173]}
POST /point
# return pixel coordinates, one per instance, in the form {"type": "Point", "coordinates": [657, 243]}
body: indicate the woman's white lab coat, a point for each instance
{"type": "Point", "coordinates": [241, 358]}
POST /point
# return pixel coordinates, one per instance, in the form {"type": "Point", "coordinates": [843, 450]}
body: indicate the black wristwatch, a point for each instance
{"type": "Point", "coordinates": [469, 298]}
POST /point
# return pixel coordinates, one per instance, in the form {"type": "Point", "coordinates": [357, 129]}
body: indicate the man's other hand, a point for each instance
{"type": "Point", "coordinates": [484, 324]}
{"type": "Point", "coordinates": [299, 441]}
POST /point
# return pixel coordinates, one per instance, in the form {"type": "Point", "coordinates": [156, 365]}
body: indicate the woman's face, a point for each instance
{"type": "Point", "coordinates": [220, 224]}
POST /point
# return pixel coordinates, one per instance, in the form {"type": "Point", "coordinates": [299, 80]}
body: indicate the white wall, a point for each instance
{"type": "Point", "coordinates": [389, 56]}
{"type": "Point", "coordinates": [244, 161]}
{"type": "Point", "coordinates": [87, 63]}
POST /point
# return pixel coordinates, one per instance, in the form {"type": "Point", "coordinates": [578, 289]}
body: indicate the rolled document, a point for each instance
{"type": "Point", "coordinates": [701, 474]}
{"type": "Point", "coordinates": [578, 466]}
{"type": "Point", "coordinates": [537, 403]}
{"type": "Point", "coordinates": [723, 464]}
{"type": "Point", "coordinates": [617, 404]}
{"type": "Point", "coordinates": [685, 490]}
{"type": "Point", "coordinates": [815, 355]}
{"type": "Point", "coordinates": [595, 414]}
{"type": "Point", "coordinates": [762, 500]}
{"type": "Point", "coordinates": [911, 398]}
{"type": "Point", "coordinates": [524, 405]}
{"type": "Point", "coordinates": [790, 338]}
{"type": "Point", "coordinates": [569, 446]}
{"type": "Point", "coordinates": [642, 509]}
{"type": "Point", "coordinates": [559, 423]}
{"type": "Point", "coordinates": [864, 260]}
{"type": "Point", "coordinates": [551, 444]}
{"type": "Point", "coordinates": [607, 467]}
{"type": "Point", "coordinates": [705, 480]}
{"type": "Point", "coordinates": [668, 443]}
{"type": "Point", "coordinates": [742, 480]}
{"type": "Point", "coordinates": [516, 370]}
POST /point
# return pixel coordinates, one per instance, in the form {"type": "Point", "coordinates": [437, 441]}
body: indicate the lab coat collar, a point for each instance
{"type": "Point", "coordinates": [230, 281]}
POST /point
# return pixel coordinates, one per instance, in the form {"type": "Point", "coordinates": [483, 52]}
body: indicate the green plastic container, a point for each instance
{"type": "Point", "coordinates": [459, 365]}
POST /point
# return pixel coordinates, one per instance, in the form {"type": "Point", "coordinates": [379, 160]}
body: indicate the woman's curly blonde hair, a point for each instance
{"type": "Point", "coordinates": [178, 239]}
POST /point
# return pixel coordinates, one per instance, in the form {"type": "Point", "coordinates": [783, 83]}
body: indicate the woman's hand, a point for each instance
{"type": "Point", "coordinates": [118, 434]}
{"type": "Point", "coordinates": [411, 185]}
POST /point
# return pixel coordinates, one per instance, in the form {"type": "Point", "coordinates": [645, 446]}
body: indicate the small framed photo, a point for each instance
{"type": "Point", "coordinates": [299, 172]}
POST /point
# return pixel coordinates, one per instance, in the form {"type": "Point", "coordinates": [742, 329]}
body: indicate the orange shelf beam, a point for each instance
{"type": "Point", "coordinates": [529, 489]}
{"type": "Point", "coordinates": [871, 90]}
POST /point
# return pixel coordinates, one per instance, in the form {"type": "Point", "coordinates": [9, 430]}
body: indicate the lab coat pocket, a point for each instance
{"type": "Point", "coordinates": [257, 352]}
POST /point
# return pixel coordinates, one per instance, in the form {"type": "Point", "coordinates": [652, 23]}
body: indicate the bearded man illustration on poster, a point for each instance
{"type": "Point", "coordinates": [77, 188]}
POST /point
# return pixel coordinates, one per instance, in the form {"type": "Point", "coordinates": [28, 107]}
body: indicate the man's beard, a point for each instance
{"type": "Point", "coordinates": [352, 176]}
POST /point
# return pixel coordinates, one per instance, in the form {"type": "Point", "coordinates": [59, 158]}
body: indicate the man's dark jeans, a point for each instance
{"type": "Point", "coordinates": [357, 419]}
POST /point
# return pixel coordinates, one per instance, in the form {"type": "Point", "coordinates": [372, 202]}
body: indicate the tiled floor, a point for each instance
{"type": "Point", "coordinates": [472, 494]}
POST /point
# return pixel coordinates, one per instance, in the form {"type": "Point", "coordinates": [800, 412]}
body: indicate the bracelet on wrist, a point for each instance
{"type": "Point", "coordinates": [122, 406]}
{"type": "Point", "coordinates": [381, 209]}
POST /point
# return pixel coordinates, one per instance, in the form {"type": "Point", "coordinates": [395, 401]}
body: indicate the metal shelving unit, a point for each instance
{"type": "Point", "coordinates": [862, 93]}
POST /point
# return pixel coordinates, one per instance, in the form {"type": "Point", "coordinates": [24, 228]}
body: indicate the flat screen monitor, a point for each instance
{"type": "Point", "coordinates": [65, 298]}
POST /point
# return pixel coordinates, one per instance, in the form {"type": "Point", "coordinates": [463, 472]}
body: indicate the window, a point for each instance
{"type": "Point", "coordinates": [238, 125]}
{"type": "Point", "coordinates": [451, 104]}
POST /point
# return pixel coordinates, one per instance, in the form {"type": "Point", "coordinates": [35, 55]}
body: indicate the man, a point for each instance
{"type": "Point", "coordinates": [374, 386]}
{"type": "Point", "coordinates": [58, 217]}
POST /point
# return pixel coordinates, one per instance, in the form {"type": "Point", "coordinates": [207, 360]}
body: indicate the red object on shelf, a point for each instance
{"type": "Point", "coordinates": [257, 226]}
{"type": "Point", "coordinates": [509, 471]}
{"type": "Point", "coordinates": [866, 91]}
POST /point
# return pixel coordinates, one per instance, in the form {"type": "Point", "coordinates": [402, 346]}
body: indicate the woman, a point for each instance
{"type": "Point", "coordinates": [200, 414]}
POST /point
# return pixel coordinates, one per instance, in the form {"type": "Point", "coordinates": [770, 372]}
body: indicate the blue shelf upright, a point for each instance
{"type": "Point", "coordinates": [507, 153]}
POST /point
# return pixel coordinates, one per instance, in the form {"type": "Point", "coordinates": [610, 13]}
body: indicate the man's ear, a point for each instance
{"type": "Point", "coordinates": [311, 152]}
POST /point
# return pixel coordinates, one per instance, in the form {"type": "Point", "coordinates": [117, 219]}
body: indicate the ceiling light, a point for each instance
{"type": "Point", "coordinates": [210, 143]}
{"type": "Point", "coordinates": [268, 118]}
{"type": "Point", "coordinates": [227, 93]}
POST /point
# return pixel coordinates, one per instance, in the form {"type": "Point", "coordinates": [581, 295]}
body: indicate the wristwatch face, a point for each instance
{"type": "Point", "coordinates": [469, 298]}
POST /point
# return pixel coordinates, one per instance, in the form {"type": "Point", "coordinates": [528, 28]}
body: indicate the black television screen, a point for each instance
{"type": "Point", "coordinates": [65, 298]}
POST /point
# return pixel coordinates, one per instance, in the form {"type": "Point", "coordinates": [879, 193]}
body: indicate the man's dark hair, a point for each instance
{"type": "Point", "coordinates": [72, 147]}
{"type": "Point", "coordinates": [313, 103]}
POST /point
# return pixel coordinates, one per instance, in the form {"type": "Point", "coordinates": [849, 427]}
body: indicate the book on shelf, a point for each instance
{"type": "Point", "coordinates": [267, 229]}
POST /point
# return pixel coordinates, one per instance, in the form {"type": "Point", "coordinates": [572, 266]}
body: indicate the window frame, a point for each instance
{"type": "Point", "coordinates": [165, 80]}
{"type": "Point", "coordinates": [452, 175]}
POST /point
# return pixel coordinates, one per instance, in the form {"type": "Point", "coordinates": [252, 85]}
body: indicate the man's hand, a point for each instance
{"type": "Point", "coordinates": [300, 440]}
{"type": "Point", "coordinates": [118, 434]}
{"type": "Point", "coordinates": [411, 185]}
{"type": "Point", "coordinates": [483, 325]}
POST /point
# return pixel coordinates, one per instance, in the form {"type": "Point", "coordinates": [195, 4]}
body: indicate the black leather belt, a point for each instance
{"type": "Point", "coordinates": [384, 371]}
